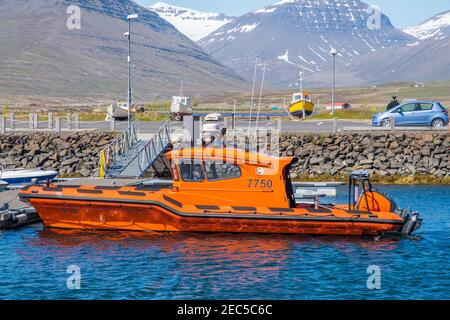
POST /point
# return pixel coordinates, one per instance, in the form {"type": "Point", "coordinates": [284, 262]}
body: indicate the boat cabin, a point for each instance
{"type": "Point", "coordinates": [301, 96]}
{"type": "Point", "coordinates": [234, 177]}
{"type": "Point", "coordinates": [181, 100]}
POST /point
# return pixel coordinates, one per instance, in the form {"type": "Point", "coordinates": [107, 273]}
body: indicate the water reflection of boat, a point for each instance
{"type": "Point", "coordinates": [219, 190]}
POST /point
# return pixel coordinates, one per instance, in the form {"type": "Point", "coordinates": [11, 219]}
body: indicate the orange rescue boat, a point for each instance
{"type": "Point", "coordinates": [220, 190]}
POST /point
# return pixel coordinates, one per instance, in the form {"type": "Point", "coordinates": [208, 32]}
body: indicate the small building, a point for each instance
{"type": "Point", "coordinates": [339, 106]}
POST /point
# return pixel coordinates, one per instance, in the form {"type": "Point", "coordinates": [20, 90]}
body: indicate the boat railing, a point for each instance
{"type": "Point", "coordinates": [118, 147]}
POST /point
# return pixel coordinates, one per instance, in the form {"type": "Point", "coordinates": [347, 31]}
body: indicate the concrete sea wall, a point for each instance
{"type": "Point", "coordinates": [386, 155]}
{"type": "Point", "coordinates": [71, 154]}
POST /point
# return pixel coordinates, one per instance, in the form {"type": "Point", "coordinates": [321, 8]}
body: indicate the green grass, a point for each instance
{"type": "Point", "coordinates": [92, 116]}
{"type": "Point", "coordinates": [158, 106]}
{"type": "Point", "coordinates": [152, 116]}
{"type": "Point", "coordinates": [364, 113]}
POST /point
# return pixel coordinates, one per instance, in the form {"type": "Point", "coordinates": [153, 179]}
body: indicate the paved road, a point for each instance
{"type": "Point", "coordinates": [317, 126]}
{"type": "Point", "coordinates": [325, 126]}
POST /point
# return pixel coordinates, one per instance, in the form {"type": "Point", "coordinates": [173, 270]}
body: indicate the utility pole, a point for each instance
{"type": "Point", "coordinates": [130, 92]}
{"type": "Point", "coordinates": [301, 81]}
{"type": "Point", "coordinates": [261, 92]}
{"type": "Point", "coordinates": [333, 90]}
{"type": "Point", "coordinates": [301, 91]}
{"type": "Point", "coordinates": [253, 93]}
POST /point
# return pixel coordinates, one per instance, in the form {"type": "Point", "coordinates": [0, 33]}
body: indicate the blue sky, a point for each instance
{"type": "Point", "coordinates": [402, 12]}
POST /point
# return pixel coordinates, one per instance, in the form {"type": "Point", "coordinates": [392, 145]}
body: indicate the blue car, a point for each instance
{"type": "Point", "coordinates": [414, 113]}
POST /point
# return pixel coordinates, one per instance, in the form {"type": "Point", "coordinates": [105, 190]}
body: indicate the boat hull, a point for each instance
{"type": "Point", "coordinates": [73, 214]}
{"type": "Point", "coordinates": [296, 108]}
{"type": "Point", "coordinates": [28, 177]}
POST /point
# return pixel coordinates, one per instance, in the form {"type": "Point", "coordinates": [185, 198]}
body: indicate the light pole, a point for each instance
{"type": "Point", "coordinates": [333, 101]}
{"type": "Point", "coordinates": [301, 90]}
{"type": "Point", "coordinates": [261, 92]}
{"type": "Point", "coordinates": [300, 75]}
{"type": "Point", "coordinates": [128, 35]}
{"type": "Point", "coordinates": [253, 94]}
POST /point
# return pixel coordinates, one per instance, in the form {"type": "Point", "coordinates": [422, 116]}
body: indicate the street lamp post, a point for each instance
{"type": "Point", "coordinates": [333, 90]}
{"type": "Point", "coordinates": [130, 92]}
{"type": "Point", "coordinates": [301, 91]}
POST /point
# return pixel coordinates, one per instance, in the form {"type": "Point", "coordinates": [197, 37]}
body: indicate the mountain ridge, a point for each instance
{"type": "Point", "coordinates": [194, 24]}
{"type": "Point", "coordinates": [42, 57]}
{"type": "Point", "coordinates": [437, 27]}
{"type": "Point", "coordinates": [299, 34]}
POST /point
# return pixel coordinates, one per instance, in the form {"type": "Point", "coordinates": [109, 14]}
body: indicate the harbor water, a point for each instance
{"type": "Point", "coordinates": [46, 264]}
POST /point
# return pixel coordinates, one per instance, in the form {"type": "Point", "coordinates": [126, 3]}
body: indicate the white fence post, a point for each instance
{"type": "Point", "coordinates": [392, 124]}
{"type": "Point", "coordinates": [77, 121]}
{"type": "Point", "coordinates": [2, 124]}
{"type": "Point", "coordinates": [50, 120]}
{"type": "Point", "coordinates": [69, 121]}
{"type": "Point", "coordinates": [12, 120]}
{"type": "Point", "coordinates": [57, 127]}
{"type": "Point", "coordinates": [35, 121]}
{"type": "Point", "coordinates": [31, 121]}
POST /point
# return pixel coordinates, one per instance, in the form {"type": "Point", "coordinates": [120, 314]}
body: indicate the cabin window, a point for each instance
{"type": "Point", "coordinates": [221, 171]}
{"type": "Point", "coordinates": [191, 171]}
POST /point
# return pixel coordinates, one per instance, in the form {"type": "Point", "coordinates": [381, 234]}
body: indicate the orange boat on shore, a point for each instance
{"type": "Point", "coordinates": [219, 190]}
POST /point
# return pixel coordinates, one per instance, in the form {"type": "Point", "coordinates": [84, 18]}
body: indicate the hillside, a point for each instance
{"type": "Point", "coordinates": [298, 34]}
{"type": "Point", "coordinates": [41, 57]}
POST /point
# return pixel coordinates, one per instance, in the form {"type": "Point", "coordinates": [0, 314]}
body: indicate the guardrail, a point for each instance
{"type": "Point", "coordinates": [118, 147]}
{"type": "Point", "coordinates": [395, 129]}
{"type": "Point", "coordinates": [147, 155]}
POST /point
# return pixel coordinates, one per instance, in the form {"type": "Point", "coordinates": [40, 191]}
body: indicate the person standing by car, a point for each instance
{"type": "Point", "coordinates": [394, 103]}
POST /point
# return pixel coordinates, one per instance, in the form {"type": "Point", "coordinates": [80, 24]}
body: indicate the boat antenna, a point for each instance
{"type": "Point", "coordinates": [261, 92]}
{"type": "Point", "coordinates": [301, 79]}
{"type": "Point", "coordinates": [253, 93]}
{"type": "Point", "coordinates": [181, 89]}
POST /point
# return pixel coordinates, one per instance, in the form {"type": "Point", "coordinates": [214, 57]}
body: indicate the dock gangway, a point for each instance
{"type": "Point", "coordinates": [128, 156]}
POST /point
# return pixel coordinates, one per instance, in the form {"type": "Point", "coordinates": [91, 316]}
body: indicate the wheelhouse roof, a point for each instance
{"type": "Point", "coordinates": [228, 154]}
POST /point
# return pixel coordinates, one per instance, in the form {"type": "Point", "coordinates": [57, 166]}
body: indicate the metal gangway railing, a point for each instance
{"type": "Point", "coordinates": [112, 154]}
{"type": "Point", "coordinates": [146, 155]}
{"type": "Point", "coordinates": [130, 157]}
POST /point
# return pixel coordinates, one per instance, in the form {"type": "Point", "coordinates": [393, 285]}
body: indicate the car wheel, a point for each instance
{"type": "Point", "coordinates": [438, 123]}
{"type": "Point", "coordinates": [385, 123]}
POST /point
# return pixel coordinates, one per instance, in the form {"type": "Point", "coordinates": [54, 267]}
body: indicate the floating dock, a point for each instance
{"type": "Point", "coordinates": [15, 213]}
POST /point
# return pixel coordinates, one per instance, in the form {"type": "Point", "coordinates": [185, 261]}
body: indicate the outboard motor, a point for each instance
{"type": "Point", "coordinates": [413, 222]}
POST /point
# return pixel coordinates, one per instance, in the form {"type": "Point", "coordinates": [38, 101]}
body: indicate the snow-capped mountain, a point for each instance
{"type": "Point", "coordinates": [194, 24]}
{"type": "Point", "coordinates": [294, 34]}
{"type": "Point", "coordinates": [437, 28]}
